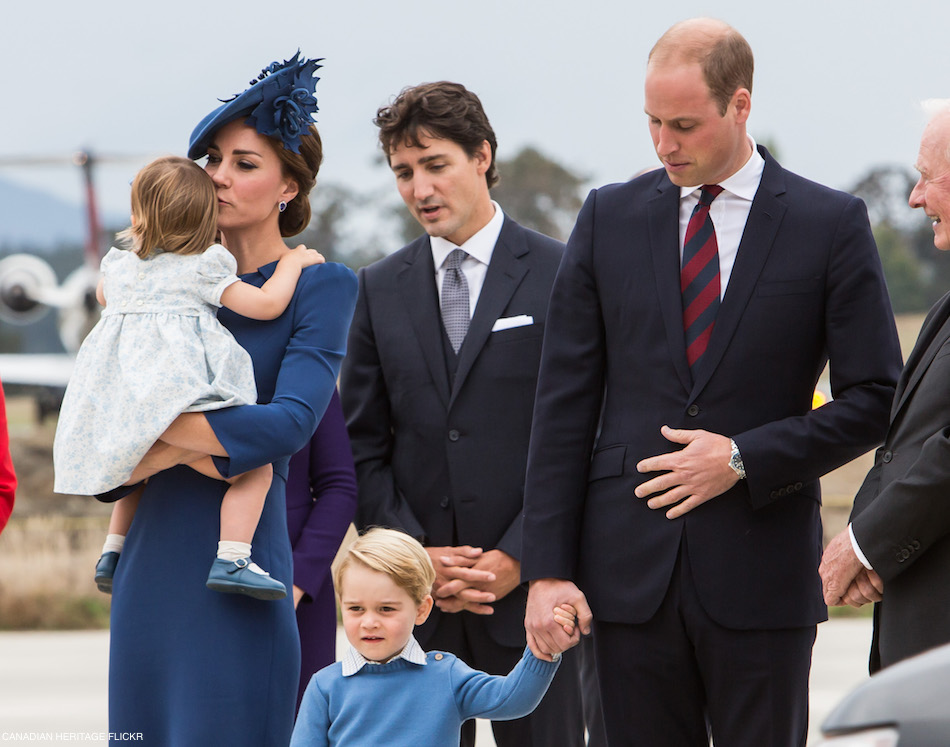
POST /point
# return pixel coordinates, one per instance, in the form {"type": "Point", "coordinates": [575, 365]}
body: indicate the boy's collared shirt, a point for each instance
{"type": "Point", "coordinates": [353, 661]}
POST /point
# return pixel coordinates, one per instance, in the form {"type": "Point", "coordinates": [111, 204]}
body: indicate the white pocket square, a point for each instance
{"type": "Point", "coordinates": [508, 322]}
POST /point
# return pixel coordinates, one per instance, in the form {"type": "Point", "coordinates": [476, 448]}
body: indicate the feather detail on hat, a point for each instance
{"type": "Point", "coordinates": [279, 103]}
{"type": "Point", "coordinates": [288, 105]}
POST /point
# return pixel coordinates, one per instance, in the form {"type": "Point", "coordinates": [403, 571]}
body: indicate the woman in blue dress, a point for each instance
{"type": "Point", "coordinates": [189, 666]}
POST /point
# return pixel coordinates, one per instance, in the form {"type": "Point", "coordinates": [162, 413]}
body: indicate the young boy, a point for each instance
{"type": "Point", "coordinates": [387, 690]}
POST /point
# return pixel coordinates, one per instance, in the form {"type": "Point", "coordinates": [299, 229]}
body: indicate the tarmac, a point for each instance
{"type": "Point", "coordinates": [53, 685]}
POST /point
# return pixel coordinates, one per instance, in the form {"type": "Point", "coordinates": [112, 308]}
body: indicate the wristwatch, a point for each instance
{"type": "Point", "coordinates": [735, 460]}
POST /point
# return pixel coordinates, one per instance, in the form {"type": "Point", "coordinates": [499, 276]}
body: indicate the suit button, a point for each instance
{"type": "Point", "coordinates": [453, 435]}
{"type": "Point", "coordinates": [774, 494]}
{"type": "Point", "coordinates": [782, 491]}
{"type": "Point", "coordinates": [692, 411]}
{"type": "Point", "coordinates": [887, 456]}
{"type": "Point", "coordinates": [915, 545]}
{"type": "Point", "coordinates": [444, 502]}
{"type": "Point", "coordinates": [905, 553]}
{"type": "Point", "coordinates": [798, 486]}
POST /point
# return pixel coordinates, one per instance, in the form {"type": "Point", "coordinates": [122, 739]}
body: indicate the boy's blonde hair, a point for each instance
{"type": "Point", "coordinates": [394, 553]}
{"type": "Point", "coordinates": [175, 208]}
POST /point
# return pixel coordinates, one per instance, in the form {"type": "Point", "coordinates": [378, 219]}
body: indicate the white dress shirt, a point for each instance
{"type": "Point", "coordinates": [353, 661]}
{"type": "Point", "coordinates": [479, 249]}
{"type": "Point", "coordinates": [857, 549]}
{"type": "Point", "coordinates": [729, 212]}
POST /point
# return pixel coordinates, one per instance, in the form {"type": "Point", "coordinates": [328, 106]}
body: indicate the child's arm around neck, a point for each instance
{"type": "Point", "coordinates": [270, 300]}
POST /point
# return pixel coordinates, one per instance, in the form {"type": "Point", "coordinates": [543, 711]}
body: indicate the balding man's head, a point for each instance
{"type": "Point", "coordinates": [723, 54]}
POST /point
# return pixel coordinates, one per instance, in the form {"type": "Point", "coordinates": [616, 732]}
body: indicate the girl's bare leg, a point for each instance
{"type": "Point", "coordinates": [243, 502]}
{"type": "Point", "coordinates": [123, 511]}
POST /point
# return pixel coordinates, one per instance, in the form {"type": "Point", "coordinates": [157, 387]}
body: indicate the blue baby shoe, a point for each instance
{"type": "Point", "coordinates": [244, 577]}
{"type": "Point", "coordinates": [105, 570]}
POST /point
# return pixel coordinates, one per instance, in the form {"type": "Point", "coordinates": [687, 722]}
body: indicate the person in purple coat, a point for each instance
{"type": "Point", "coordinates": [321, 503]}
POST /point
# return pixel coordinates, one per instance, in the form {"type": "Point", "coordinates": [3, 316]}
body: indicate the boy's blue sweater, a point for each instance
{"type": "Point", "coordinates": [399, 703]}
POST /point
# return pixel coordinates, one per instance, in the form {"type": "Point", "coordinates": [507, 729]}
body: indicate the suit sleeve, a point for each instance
{"type": "Point", "coordinates": [909, 515]}
{"type": "Point", "coordinates": [331, 481]}
{"type": "Point", "coordinates": [864, 355]}
{"type": "Point", "coordinates": [369, 422]}
{"type": "Point", "coordinates": [254, 435]}
{"type": "Point", "coordinates": [566, 412]}
{"type": "Point", "coordinates": [7, 475]}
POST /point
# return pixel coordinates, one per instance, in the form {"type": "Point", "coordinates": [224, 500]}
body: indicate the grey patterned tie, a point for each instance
{"type": "Point", "coordinates": [455, 313]}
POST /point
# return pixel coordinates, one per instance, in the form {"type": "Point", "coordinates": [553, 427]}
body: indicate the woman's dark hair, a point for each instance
{"type": "Point", "coordinates": [302, 168]}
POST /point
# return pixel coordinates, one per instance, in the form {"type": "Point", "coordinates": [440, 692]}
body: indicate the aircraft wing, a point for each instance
{"type": "Point", "coordinates": [39, 369]}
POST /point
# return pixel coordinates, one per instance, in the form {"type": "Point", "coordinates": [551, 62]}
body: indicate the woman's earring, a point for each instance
{"type": "Point", "coordinates": [282, 206]}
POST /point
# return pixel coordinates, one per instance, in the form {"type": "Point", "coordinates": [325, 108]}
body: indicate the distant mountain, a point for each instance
{"type": "Point", "coordinates": [33, 219]}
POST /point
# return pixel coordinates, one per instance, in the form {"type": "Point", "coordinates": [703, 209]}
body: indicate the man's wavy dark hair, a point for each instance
{"type": "Point", "coordinates": [441, 110]}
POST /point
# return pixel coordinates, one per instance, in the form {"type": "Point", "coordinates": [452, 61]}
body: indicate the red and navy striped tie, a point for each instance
{"type": "Point", "coordinates": [699, 279]}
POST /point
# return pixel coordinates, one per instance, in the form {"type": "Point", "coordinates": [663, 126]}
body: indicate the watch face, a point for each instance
{"type": "Point", "coordinates": [735, 461]}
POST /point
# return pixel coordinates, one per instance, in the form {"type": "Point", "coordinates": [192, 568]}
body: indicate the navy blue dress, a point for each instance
{"type": "Point", "coordinates": [190, 666]}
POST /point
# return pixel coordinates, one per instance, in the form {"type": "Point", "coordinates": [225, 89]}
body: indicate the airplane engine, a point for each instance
{"type": "Point", "coordinates": [28, 289]}
{"type": "Point", "coordinates": [79, 309]}
{"type": "Point", "coordinates": [24, 282]}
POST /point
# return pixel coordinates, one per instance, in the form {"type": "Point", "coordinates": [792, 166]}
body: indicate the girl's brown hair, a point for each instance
{"type": "Point", "coordinates": [174, 208]}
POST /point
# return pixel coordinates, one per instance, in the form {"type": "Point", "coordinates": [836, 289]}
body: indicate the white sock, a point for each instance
{"type": "Point", "coordinates": [113, 543]}
{"type": "Point", "coordinates": [228, 550]}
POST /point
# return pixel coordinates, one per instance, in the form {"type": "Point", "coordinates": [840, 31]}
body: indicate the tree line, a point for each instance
{"type": "Point", "coordinates": [357, 228]}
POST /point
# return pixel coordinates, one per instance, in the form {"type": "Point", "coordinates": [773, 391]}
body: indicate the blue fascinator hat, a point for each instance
{"type": "Point", "coordinates": [279, 103]}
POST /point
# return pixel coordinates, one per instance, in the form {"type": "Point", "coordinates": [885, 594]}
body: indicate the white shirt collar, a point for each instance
{"type": "Point", "coordinates": [353, 661]}
{"type": "Point", "coordinates": [744, 183]}
{"type": "Point", "coordinates": [480, 246]}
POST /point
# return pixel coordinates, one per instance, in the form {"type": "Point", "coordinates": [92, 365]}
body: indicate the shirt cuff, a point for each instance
{"type": "Point", "coordinates": [857, 549]}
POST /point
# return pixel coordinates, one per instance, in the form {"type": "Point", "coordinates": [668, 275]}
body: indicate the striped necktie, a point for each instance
{"type": "Point", "coordinates": [455, 305]}
{"type": "Point", "coordinates": [699, 279]}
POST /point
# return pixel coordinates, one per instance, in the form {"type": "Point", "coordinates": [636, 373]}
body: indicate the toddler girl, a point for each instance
{"type": "Point", "coordinates": [159, 351]}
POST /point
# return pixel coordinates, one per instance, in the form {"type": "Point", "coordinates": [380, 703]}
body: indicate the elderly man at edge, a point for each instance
{"type": "Point", "coordinates": [898, 541]}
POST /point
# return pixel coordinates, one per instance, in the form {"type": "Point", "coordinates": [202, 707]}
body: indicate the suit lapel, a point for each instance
{"type": "Point", "coordinates": [416, 287]}
{"type": "Point", "coordinates": [931, 339]}
{"type": "Point", "coordinates": [663, 219]}
{"type": "Point", "coordinates": [765, 217]}
{"type": "Point", "coordinates": [504, 275]}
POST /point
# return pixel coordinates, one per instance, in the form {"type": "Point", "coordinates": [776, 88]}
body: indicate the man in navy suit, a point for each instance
{"type": "Point", "coordinates": [898, 541]}
{"type": "Point", "coordinates": [672, 487]}
{"type": "Point", "coordinates": [438, 390]}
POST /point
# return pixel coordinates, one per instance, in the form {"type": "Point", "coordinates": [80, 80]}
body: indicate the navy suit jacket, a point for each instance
{"type": "Point", "coordinates": [806, 286]}
{"type": "Point", "coordinates": [447, 464]}
{"type": "Point", "coordinates": [901, 515]}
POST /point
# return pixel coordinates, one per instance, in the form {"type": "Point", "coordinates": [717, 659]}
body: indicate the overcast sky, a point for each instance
{"type": "Point", "coordinates": [837, 82]}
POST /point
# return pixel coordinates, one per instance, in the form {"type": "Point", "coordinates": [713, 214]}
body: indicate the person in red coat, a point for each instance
{"type": "Point", "coordinates": [7, 475]}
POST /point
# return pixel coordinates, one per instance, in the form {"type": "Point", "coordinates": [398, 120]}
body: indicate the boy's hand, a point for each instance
{"type": "Point", "coordinates": [566, 616]}
{"type": "Point", "coordinates": [544, 632]}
